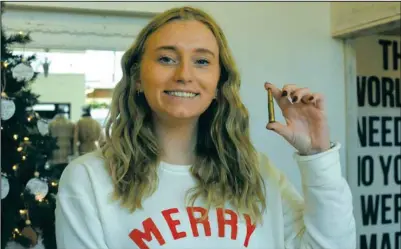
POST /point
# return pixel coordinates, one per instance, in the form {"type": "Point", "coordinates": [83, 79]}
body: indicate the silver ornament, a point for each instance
{"type": "Point", "coordinates": [22, 72]}
{"type": "Point", "coordinates": [7, 109]}
{"type": "Point", "coordinates": [5, 187]}
{"type": "Point", "coordinates": [38, 188]}
{"type": "Point", "coordinates": [43, 127]}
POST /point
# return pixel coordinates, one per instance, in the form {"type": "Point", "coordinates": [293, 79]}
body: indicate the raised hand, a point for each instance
{"type": "Point", "coordinates": [306, 127]}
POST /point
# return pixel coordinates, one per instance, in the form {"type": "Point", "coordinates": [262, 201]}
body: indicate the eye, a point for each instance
{"type": "Point", "coordinates": [166, 60]}
{"type": "Point", "coordinates": [202, 62]}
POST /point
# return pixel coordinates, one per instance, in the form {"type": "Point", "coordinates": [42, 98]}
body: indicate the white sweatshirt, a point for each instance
{"type": "Point", "coordinates": [86, 218]}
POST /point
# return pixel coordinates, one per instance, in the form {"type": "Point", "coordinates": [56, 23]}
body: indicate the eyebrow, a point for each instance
{"type": "Point", "coordinates": [198, 50]}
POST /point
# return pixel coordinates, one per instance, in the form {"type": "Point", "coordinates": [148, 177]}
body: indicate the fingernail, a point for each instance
{"type": "Point", "coordinates": [311, 98]}
{"type": "Point", "coordinates": [295, 99]}
{"type": "Point", "coordinates": [284, 94]}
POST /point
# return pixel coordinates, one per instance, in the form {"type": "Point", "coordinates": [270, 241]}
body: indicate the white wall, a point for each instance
{"type": "Point", "coordinates": [280, 42]}
{"type": "Point", "coordinates": [375, 168]}
{"type": "Point", "coordinates": [62, 88]}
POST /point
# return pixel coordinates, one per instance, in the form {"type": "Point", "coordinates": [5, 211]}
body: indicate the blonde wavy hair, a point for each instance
{"type": "Point", "coordinates": [226, 166]}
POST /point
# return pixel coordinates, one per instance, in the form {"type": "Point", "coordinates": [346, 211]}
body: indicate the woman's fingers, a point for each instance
{"type": "Point", "coordinates": [282, 130]}
{"type": "Point", "coordinates": [298, 94]}
{"type": "Point", "coordinates": [318, 100]}
{"type": "Point", "coordinates": [291, 94]}
{"type": "Point", "coordinates": [288, 89]}
{"type": "Point", "coordinates": [281, 95]}
{"type": "Point", "coordinates": [308, 98]}
{"type": "Point", "coordinates": [276, 92]}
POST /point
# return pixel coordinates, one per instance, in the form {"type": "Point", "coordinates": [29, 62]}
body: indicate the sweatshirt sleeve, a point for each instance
{"type": "Point", "coordinates": [323, 217]}
{"type": "Point", "coordinates": [77, 222]}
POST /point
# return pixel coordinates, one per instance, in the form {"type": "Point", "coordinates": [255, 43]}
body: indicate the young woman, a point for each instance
{"type": "Point", "coordinates": [178, 169]}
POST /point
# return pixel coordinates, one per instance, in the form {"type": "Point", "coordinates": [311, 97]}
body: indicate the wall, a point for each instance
{"type": "Point", "coordinates": [62, 88]}
{"type": "Point", "coordinates": [279, 42]}
{"type": "Point", "coordinates": [375, 159]}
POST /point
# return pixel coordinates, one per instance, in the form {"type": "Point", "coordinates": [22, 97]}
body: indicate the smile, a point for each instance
{"type": "Point", "coordinates": [182, 94]}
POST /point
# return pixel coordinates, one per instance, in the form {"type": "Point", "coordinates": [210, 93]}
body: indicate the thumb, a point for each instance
{"type": "Point", "coordinates": [280, 129]}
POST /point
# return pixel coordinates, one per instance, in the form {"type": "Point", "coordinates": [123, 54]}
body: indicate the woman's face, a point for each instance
{"type": "Point", "coordinates": [180, 70]}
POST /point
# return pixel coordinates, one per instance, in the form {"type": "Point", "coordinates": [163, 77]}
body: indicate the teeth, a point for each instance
{"type": "Point", "coordinates": [182, 94]}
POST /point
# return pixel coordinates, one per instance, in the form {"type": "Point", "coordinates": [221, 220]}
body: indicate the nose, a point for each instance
{"type": "Point", "coordinates": [183, 73]}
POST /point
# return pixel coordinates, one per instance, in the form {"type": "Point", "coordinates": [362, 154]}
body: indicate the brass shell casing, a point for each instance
{"type": "Point", "coordinates": [270, 106]}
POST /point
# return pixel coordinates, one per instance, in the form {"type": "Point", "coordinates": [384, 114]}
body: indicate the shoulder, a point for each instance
{"type": "Point", "coordinates": [91, 159]}
{"type": "Point", "coordinates": [83, 174]}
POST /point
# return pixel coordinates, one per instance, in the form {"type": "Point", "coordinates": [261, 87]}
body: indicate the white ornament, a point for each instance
{"type": "Point", "coordinates": [5, 187]}
{"type": "Point", "coordinates": [38, 188]}
{"type": "Point", "coordinates": [43, 127]}
{"type": "Point", "coordinates": [22, 72]}
{"type": "Point", "coordinates": [7, 109]}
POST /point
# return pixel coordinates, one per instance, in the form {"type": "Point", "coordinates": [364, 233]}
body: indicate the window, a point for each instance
{"type": "Point", "coordinates": [102, 69]}
{"type": "Point", "coordinates": [118, 72]}
{"type": "Point", "coordinates": [60, 62]}
{"type": "Point", "coordinates": [99, 68]}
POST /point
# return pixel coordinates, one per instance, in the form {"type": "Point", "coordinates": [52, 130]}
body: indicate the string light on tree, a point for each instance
{"type": "Point", "coordinates": [27, 147]}
{"type": "Point", "coordinates": [16, 233]}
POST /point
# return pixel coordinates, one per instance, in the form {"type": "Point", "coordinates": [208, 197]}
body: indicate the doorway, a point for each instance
{"type": "Point", "coordinates": [373, 94]}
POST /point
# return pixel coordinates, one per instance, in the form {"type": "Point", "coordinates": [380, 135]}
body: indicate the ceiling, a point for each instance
{"type": "Point", "coordinates": [393, 28]}
{"type": "Point", "coordinates": [74, 31]}
{"type": "Point", "coordinates": [394, 31]}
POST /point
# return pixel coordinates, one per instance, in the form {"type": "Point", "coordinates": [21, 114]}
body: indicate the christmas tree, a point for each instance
{"type": "Point", "coordinates": [29, 185]}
